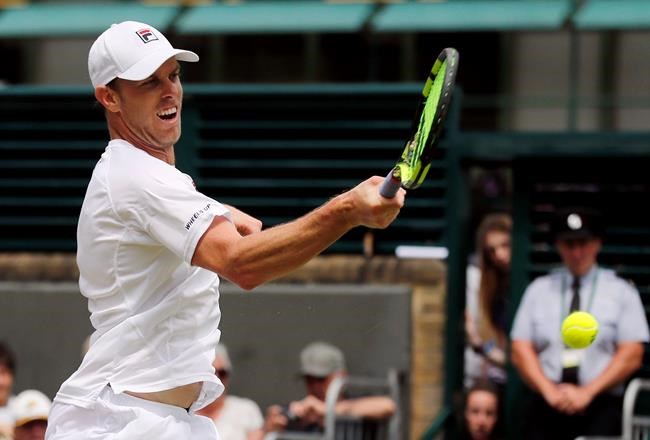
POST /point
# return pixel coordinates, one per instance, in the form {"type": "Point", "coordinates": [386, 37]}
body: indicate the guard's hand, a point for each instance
{"type": "Point", "coordinates": [578, 398]}
{"type": "Point", "coordinates": [557, 399]}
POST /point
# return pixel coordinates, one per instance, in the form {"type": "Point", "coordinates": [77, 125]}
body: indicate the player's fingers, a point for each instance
{"type": "Point", "coordinates": [400, 197]}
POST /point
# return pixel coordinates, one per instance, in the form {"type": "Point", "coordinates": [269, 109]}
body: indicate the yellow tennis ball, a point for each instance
{"type": "Point", "coordinates": [579, 329]}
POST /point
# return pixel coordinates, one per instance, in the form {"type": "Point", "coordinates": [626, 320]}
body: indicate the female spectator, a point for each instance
{"type": "Point", "coordinates": [480, 412]}
{"type": "Point", "coordinates": [487, 293]}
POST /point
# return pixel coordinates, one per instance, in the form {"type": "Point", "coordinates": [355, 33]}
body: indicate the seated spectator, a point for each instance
{"type": "Point", "coordinates": [480, 412]}
{"type": "Point", "coordinates": [31, 409]}
{"type": "Point", "coordinates": [320, 364]}
{"type": "Point", "coordinates": [236, 418]}
{"type": "Point", "coordinates": [7, 374]}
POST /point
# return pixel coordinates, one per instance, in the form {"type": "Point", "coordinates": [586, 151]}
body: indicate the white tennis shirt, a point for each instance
{"type": "Point", "coordinates": [155, 316]}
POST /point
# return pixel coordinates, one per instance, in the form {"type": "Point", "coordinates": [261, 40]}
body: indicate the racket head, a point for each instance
{"type": "Point", "coordinates": [428, 122]}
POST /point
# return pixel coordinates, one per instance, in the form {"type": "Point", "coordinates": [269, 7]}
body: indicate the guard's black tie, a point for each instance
{"type": "Point", "coordinates": [575, 300]}
{"type": "Point", "coordinates": [570, 374]}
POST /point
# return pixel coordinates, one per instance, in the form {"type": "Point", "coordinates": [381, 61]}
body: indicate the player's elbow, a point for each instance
{"type": "Point", "coordinates": [246, 282]}
{"type": "Point", "coordinates": [244, 278]}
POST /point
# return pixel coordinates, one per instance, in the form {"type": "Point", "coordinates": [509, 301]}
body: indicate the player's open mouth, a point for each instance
{"type": "Point", "coordinates": [168, 114]}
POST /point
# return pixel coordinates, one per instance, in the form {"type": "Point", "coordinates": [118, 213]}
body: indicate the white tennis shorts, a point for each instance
{"type": "Point", "coordinates": [124, 417]}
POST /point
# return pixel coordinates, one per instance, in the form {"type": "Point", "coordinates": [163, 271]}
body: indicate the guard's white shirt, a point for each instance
{"type": "Point", "coordinates": [155, 316]}
{"type": "Point", "coordinates": [614, 302]}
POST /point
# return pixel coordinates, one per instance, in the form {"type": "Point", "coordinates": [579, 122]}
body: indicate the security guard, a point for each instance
{"type": "Point", "coordinates": [577, 392]}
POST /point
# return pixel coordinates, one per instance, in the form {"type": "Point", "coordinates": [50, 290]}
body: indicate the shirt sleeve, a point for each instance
{"type": "Point", "coordinates": [633, 325]}
{"type": "Point", "coordinates": [166, 205]}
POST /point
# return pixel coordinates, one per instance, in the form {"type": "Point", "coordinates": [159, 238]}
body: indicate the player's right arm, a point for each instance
{"type": "Point", "coordinates": [257, 258]}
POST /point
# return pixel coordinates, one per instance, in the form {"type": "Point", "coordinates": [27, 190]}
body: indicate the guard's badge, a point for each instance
{"type": "Point", "coordinates": [574, 222]}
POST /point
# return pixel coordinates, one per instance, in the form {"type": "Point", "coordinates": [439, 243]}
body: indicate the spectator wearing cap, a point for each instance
{"type": "Point", "coordinates": [31, 409]}
{"type": "Point", "coordinates": [320, 364]}
{"type": "Point", "coordinates": [577, 392]}
{"type": "Point", "coordinates": [236, 418]}
{"type": "Point", "coordinates": [7, 374]}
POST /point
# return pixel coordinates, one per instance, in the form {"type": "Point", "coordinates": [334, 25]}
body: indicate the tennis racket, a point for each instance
{"type": "Point", "coordinates": [413, 165]}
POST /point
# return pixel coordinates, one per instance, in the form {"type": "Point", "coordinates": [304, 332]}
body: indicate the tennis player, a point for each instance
{"type": "Point", "coordinates": [151, 249]}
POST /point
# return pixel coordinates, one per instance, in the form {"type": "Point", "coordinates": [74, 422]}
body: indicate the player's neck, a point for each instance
{"type": "Point", "coordinates": [167, 155]}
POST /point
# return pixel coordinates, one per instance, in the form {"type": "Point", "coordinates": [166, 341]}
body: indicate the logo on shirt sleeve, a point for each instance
{"type": "Point", "coordinates": [196, 215]}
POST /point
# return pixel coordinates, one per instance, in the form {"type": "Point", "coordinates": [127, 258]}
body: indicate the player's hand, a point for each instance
{"type": "Point", "coordinates": [373, 210]}
{"type": "Point", "coordinates": [244, 223]}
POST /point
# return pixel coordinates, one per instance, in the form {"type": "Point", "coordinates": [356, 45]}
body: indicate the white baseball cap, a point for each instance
{"type": "Point", "coordinates": [30, 405]}
{"type": "Point", "coordinates": [131, 50]}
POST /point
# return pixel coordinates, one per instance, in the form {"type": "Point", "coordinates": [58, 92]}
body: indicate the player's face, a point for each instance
{"type": "Point", "coordinates": [579, 255]}
{"type": "Point", "coordinates": [481, 414]}
{"type": "Point", "coordinates": [151, 109]}
{"type": "Point", "coordinates": [6, 384]}
{"type": "Point", "coordinates": [497, 247]}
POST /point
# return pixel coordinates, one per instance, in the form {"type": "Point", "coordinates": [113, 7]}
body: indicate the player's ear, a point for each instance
{"type": "Point", "coordinates": [108, 98]}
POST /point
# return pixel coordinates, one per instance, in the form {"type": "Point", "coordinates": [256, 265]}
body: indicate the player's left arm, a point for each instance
{"type": "Point", "coordinates": [245, 224]}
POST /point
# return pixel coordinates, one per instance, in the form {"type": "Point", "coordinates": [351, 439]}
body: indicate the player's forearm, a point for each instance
{"type": "Point", "coordinates": [261, 257]}
{"type": "Point", "coordinates": [626, 361]}
{"type": "Point", "coordinates": [527, 363]}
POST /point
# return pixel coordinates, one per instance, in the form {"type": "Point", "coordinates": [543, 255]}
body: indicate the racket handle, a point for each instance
{"type": "Point", "coordinates": [390, 186]}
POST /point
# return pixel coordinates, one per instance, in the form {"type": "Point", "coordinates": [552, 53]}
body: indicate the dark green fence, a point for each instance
{"type": "Point", "coordinates": [273, 151]}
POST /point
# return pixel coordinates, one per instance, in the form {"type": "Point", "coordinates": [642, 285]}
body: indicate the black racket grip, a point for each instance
{"type": "Point", "coordinates": [390, 186]}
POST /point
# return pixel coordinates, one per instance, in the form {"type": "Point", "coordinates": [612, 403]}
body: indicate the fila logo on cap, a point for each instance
{"type": "Point", "coordinates": [146, 35]}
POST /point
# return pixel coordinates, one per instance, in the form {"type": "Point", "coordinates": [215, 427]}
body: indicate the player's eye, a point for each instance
{"type": "Point", "coordinates": [148, 82]}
